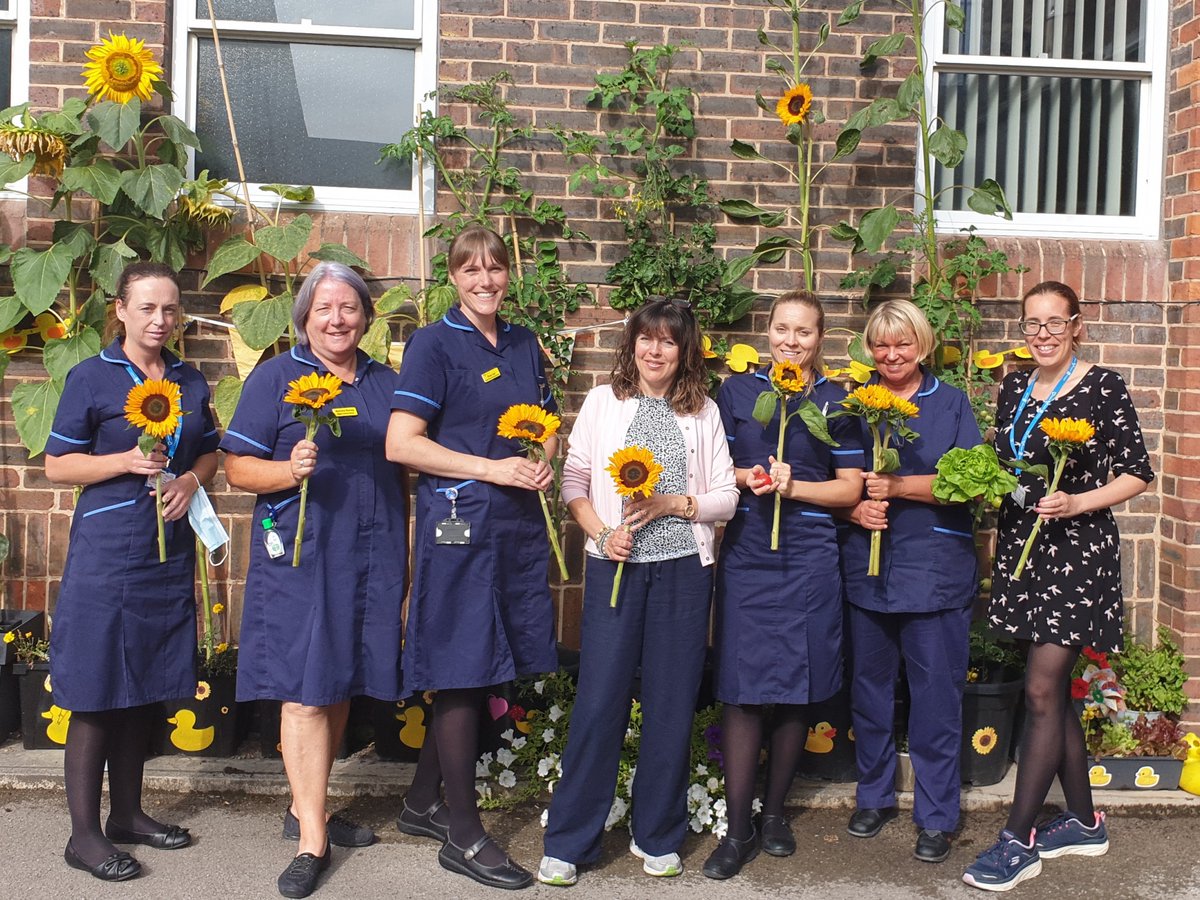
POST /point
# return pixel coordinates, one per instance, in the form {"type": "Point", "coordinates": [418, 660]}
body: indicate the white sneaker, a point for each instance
{"type": "Point", "coordinates": [557, 872]}
{"type": "Point", "coordinates": [658, 866]}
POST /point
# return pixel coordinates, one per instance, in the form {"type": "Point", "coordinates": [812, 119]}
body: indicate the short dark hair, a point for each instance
{"type": "Point", "coordinates": [664, 317]}
{"type": "Point", "coordinates": [337, 272]}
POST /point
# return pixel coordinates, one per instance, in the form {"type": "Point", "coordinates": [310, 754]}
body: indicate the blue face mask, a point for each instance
{"type": "Point", "coordinates": [207, 526]}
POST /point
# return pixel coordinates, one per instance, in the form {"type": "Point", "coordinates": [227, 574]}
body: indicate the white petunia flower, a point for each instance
{"type": "Point", "coordinates": [547, 735]}
{"type": "Point", "coordinates": [518, 743]}
{"type": "Point", "coordinates": [483, 789]}
{"type": "Point", "coordinates": [555, 713]}
{"type": "Point", "coordinates": [505, 757]}
{"type": "Point", "coordinates": [507, 779]}
{"type": "Point", "coordinates": [539, 686]}
{"type": "Point", "coordinates": [616, 813]}
{"type": "Point", "coordinates": [712, 783]}
{"type": "Point", "coordinates": [545, 816]}
{"type": "Point", "coordinates": [701, 770]}
{"type": "Point", "coordinates": [507, 736]}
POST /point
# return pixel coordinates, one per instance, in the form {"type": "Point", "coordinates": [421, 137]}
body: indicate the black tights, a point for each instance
{"type": "Point", "coordinates": [741, 740]}
{"type": "Point", "coordinates": [448, 756]}
{"type": "Point", "coordinates": [118, 737]}
{"type": "Point", "coordinates": [1053, 742]}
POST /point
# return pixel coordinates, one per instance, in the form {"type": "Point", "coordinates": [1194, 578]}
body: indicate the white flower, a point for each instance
{"type": "Point", "coordinates": [696, 791]}
{"type": "Point", "coordinates": [720, 827]}
{"type": "Point", "coordinates": [616, 813]}
{"type": "Point", "coordinates": [545, 816]}
{"type": "Point", "coordinates": [712, 783]}
{"type": "Point", "coordinates": [547, 764]}
{"type": "Point", "coordinates": [555, 713]}
{"type": "Point", "coordinates": [756, 806]}
{"type": "Point", "coordinates": [507, 779]}
{"type": "Point", "coordinates": [539, 686]}
{"type": "Point", "coordinates": [483, 769]}
{"type": "Point", "coordinates": [505, 757]}
{"type": "Point", "coordinates": [483, 789]}
{"type": "Point", "coordinates": [547, 735]}
{"type": "Point", "coordinates": [719, 808]}
{"type": "Point", "coordinates": [518, 743]}
{"type": "Point", "coordinates": [508, 736]}
{"type": "Point", "coordinates": [696, 824]}
{"type": "Point", "coordinates": [701, 770]}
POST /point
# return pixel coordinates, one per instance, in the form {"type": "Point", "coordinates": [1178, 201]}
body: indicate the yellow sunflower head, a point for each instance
{"type": "Point", "coordinates": [984, 740]}
{"type": "Point", "coordinates": [48, 147]}
{"type": "Point", "coordinates": [787, 377]}
{"type": "Point", "coordinates": [635, 471]}
{"type": "Point", "coordinates": [203, 690]}
{"type": "Point", "coordinates": [313, 390]}
{"type": "Point", "coordinates": [153, 406]}
{"type": "Point", "coordinates": [1076, 432]}
{"type": "Point", "coordinates": [121, 69]}
{"type": "Point", "coordinates": [793, 106]}
{"type": "Point", "coordinates": [526, 422]}
{"type": "Point", "coordinates": [221, 647]}
{"type": "Point", "coordinates": [197, 201]}
{"type": "Point", "coordinates": [871, 396]}
{"type": "Point", "coordinates": [905, 408]}
{"type": "Point", "coordinates": [218, 608]}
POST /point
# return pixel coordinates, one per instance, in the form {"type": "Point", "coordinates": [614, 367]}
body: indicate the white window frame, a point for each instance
{"type": "Point", "coordinates": [421, 38]}
{"type": "Point", "coordinates": [1146, 222]}
{"type": "Point", "coordinates": [18, 16]}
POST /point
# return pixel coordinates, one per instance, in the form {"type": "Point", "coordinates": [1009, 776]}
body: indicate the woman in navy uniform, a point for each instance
{"type": "Point", "coordinates": [919, 606]}
{"type": "Point", "coordinates": [124, 634]}
{"type": "Point", "coordinates": [779, 613]}
{"type": "Point", "coordinates": [316, 635]}
{"type": "Point", "coordinates": [479, 610]}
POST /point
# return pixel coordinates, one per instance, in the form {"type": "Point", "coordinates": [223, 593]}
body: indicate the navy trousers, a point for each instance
{"type": "Point", "coordinates": [934, 646]}
{"type": "Point", "coordinates": [661, 624]}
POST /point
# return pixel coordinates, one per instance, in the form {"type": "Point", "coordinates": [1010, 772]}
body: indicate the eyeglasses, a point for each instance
{"type": "Point", "coordinates": [676, 302]}
{"type": "Point", "coordinates": [1031, 327]}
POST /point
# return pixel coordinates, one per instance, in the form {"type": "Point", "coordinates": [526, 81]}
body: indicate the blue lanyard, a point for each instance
{"type": "Point", "coordinates": [1019, 452]}
{"type": "Point", "coordinates": [172, 441]}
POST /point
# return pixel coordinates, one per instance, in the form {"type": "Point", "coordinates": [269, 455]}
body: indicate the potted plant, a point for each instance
{"type": "Point", "coordinates": [43, 725]}
{"type": "Point", "coordinates": [990, 697]}
{"type": "Point", "coordinates": [1153, 676]}
{"type": "Point", "coordinates": [15, 624]}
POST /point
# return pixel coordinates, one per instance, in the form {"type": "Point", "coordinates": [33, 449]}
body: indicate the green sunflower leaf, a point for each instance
{"type": "Point", "coordinates": [63, 354]}
{"type": "Point", "coordinates": [817, 425]}
{"type": "Point", "coordinates": [152, 188]}
{"type": "Point", "coordinates": [234, 254]}
{"type": "Point", "coordinates": [39, 275]}
{"type": "Point", "coordinates": [114, 122]}
{"type": "Point", "coordinates": [284, 242]}
{"type": "Point", "coordinates": [33, 407]}
{"type": "Point", "coordinates": [225, 398]}
{"type": "Point", "coordinates": [764, 408]}
{"type": "Point", "coordinates": [100, 180]}
{"type": "Point", "coordinates": [262, 324]}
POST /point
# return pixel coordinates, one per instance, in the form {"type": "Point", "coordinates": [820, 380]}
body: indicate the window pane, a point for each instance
{"type": "Point", "coordinates": [1056, 145]}
{"type": "Point", "coordinates": [6, 37]}
{"type": "Point", "coordinates": [306, 113]}
{"type": "Point", "coordinates": [1110, 30]}
{"type": "Point", "coordinates": [350, 13]}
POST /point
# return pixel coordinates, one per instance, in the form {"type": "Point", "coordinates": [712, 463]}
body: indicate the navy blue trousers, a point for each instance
{"type": "Point", "coordinates": [661, 624]}
{"type": "Point", "coordinates": [934, 646]}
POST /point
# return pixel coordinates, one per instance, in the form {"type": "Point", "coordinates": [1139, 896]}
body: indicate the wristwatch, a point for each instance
{"type": "Point", "coordinates": [689, 511]}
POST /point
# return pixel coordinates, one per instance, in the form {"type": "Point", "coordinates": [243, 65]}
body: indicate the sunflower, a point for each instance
{"type": "Point", "coordinates": [635, 471]}
{"type": "Point", "coordinates": [984, 740]}
{"type": "Point", "coordinates": [221, 647]}
{"type": "Point", "coordinates": [870, 396]}
{"type": "Point", "coordinates": [787, 377]}
{"type": "Point", "coordinates": [793, 106]}
{"type": "Point", "coordinates": [905, 408]}
{"type": "Point", "coordinates": [48, 147]}
{"type": "Point", "coordinates": [526, 422]}
{"type": "Point", "coordinates": [218, 608]}
{"type": "Point", "coordinates": [197, 201]}
{"type": "Point", "coordinates": [1068, 431]}
{"type": "Point", "coordinates": [153, 406]}
{"type": "Point", "coordinates": [313, 390]}
{"type": "Point", "coordinates": [121, 69]}
{"type": "Point", "coordinates": [202, 690]}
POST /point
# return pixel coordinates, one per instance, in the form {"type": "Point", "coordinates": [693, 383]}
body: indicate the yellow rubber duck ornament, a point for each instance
{"type": "Point", "coordinates": [1189, 780]}
{"type": "Point", "coordinates": [1098, 776]}
{"type": "Point", "coordinates": [60, 721]}
{"type": "Point", "coordinates": [413, 732]}
{"type": "Point", "coordinates": [186, 736]}
{"type": "Point", "coordinates": [740, 357]}
{"type": "Point", "coordinates": [820, 738]}
{"type": "Point", "coordinates": [1146, 777]}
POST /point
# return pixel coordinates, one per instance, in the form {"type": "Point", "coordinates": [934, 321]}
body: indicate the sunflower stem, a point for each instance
{"type": "Point", "coordinates": [554, 545]}
{"type": "Point", "coordinates": [309, 432]}
{"type": "Point", "coordinates": [1037, 525]}
{"type": "Point", "coordinates": [612, 602]}
{"type": "Point", "coordinates": [783, 418]}
{"type": "Point", "coordinates": [202, 560]}
{"type": "Point", "coordinates": [877, 445]}
{"type": "Point", "coordinates": [158, 511]}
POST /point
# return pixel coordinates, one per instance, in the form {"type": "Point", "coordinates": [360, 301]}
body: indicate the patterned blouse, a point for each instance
{"type": "Point", "coordinates": [654, 427]}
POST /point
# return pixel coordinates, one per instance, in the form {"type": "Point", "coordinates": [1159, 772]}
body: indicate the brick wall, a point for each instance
{"type": "Point", "coordinates": [1138, 322]}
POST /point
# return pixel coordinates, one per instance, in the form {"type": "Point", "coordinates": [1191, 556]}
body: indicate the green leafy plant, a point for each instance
{"type": "Point", "coordinates": [26, 647]}
{"type": "Point", "coordinates": [1153, 675]}
{"type": "Point", "coordinates": [639, 164]}
{"type": "Point", "coordinates": [973, 476]}
{"type": "Point", "coordinates": [1159, 736]}
{"type": "Point", "coordinates": [991, 659]}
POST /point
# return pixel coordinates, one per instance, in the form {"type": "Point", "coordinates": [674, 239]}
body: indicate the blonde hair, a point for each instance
{"type": "Point", "coordinates": [898, 318]}
{"type": "Point", "coordinates": [809, 299]}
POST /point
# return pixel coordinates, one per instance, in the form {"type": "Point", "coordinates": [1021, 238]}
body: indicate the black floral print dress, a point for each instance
{"type": "Point", "coordinates": [1070, 590]}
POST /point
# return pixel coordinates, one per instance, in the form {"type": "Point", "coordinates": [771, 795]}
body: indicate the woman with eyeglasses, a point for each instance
{"type": "Point", "coordinates": [1069, 594]}
{"type": "Point", "coordinates": [658, 400]}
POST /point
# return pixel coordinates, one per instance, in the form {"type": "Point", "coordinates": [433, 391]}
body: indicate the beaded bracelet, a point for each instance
{"type": "Point", "coordinates": [602, 539]}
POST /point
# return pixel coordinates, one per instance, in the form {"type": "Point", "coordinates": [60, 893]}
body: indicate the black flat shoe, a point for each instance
{"type": "Point", "coordinates": [866, 823]}
{"type": "Point", "coordinates": [422, 824]}
{"type": "Point", "coordinates": [118, 867]}
{"type": "Point", "coordinates": [777, 837]}
{"type": "Point", "coordinates": [172, 837]}
{"type": "Point", "coordinates": [729, 857]}
{"type": "Point", "coordinates": [299, 879]}
{"type": "Point", "coordinates": [932, 846]}
{"type": "Point", "coordinates": [342, 832]}
{"type": "Point", "coordinates": [507, 875]}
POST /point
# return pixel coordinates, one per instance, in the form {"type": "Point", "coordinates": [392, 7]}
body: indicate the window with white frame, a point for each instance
{"type": "Point", "coordinates": [14, 52]}
{"type": "Point", "coordinates": [1062, 104]}
{"type": "Point", "coordinates": [316, 89]}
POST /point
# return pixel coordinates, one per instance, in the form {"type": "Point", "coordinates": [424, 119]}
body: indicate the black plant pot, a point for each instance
{"type": "Point", "coordinates": [10, 703]}
{"type": "Point", "coordinates": [207, 724]}
{"type": "Point", "coordinates": [989, 721]}
{"type": "Point", "coordinates": [829, 751]}
{"type": "Point", "coordinates": [43, 725]}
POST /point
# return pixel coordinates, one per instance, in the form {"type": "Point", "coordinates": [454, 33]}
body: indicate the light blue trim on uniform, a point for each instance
{"type": "Point", "coordinates": [307, 362]}
{"type": "Point", "coordinates": [455, 487]}
{"type": "Point", "coordinates": [119, 362]}
{"type": "Point", "coordinates": [210, 433]}
{"type": "Point", "coordinates": [844, 452]}
{"type": "Point", "coordinates": [446, 320]}
{"type": "Point", "coordinates": [730, 438]}
{"type": "Point", "coordinates": [108, 508]}
{"type": "Point", "coordinates": [941, 530]}
{"type": "Point", "coordinates": [816, 515]}
{"type": "Point", "coordinates": [177, 364]}
{"type": "Point", "coordinates": [63, 437]}
{"type": "Point", "coordinates": [250, 441]}
{"type": "Point", "coordinates": [432, 403]}
{"type": "Point", "coordinates": [933, 387]}
{"type": "Point", "coordinates": [743, 509]}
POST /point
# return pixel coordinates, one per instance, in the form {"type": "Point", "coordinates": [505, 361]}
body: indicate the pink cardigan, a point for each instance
{"type": "Point", "coordinates": [599, 432]}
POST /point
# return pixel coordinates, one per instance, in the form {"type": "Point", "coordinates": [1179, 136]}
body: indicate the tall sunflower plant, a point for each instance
{"type": "Point", "coordinates": [799, 112]}
{"type": "Point", "coordinates": [788, 383]}
{"type": "Point", "coordinates": [110, 170]}
{"type": "Point", "coordinates": [532, 426]}
{"type": "Point", "coordinates": [309, 395]}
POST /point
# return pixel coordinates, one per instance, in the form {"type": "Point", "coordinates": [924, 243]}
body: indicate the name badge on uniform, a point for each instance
{"type": "Point", "coordinates": [453, 530]}
{"type": "Point", "coordinates": [490, 375]}
{"type": "Point", "coordinates": [345, 412]}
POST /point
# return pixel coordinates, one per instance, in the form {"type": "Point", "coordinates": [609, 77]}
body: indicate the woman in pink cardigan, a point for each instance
{"type": "Point", "coordinates": [658, 400]}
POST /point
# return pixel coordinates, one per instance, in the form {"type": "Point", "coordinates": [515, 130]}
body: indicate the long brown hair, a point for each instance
{"type": "Point", "coordinates": [668, 318]}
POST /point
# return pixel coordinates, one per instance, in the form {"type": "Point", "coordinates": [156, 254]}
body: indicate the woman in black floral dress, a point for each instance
{"type": "Point", "coordinates": [1069, 593]}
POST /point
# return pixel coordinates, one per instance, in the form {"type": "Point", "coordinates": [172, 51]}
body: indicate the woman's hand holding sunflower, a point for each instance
{"type": "Point", "coordinates": [520, 472]}
{"type": "Point", "coordinates": [177, 496]}
{"type": "Point", "coordinates": [303, 460]}
{"type": "Point", "coordinates": [136, 462]}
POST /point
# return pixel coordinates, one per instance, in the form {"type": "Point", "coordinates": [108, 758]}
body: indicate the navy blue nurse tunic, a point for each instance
{"type": "Point", "coordinates": [779, 612]}
{"type": "Point", "coordinates": [919, 533]}
{"type": "Point", "coordinates": [125, 624]}
{"type": "Point", "coordinates": [329, 629]}
{"type": "Point", "coordinates": [479, 613]}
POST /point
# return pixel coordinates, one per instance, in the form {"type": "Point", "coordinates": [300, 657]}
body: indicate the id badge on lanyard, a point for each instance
{"type": "Point", "coordinates": [453, 530]}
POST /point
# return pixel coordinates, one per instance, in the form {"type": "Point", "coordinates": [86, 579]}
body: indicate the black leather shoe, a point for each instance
{"type": "Point", "coordinates": [118, 867]}
{"type": "Point", "coordinates": [172, 837]}
{"type": "Point", "coordinates": [422, 824]}
{"type": "Point", "coordinates": [299, 879]}
{"type": "Point", "coordinates": [507, 875]}
{"type": "Point", "coordinates": [932, 846]}
{"type": "Point", "coordinates": [729, 857]}
{"type": "Point", "coordinates": [777, 837]}
{"type": "Point", "coordinates": [866, 823]}
{"type": "Point", "coordinates": [342, 832]}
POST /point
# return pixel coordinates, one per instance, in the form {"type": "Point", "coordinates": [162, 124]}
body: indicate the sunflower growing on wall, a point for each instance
{"type": "Point", "coordinates": [533, 426]}
{"type": "Point", "coordinates": [155, 407]}
{"type": "Point", "coordinates": [309, 395]}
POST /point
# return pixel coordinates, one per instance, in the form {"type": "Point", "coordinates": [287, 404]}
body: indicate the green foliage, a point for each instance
{"type": "Point", "coordinates": [973, 476]}
{"type": "Point", "coordinates": [665, 209]}
{"type": "Point", "coordinates": [1153, 675]}
{"type": "Point", "coordinates": [990, 659]}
